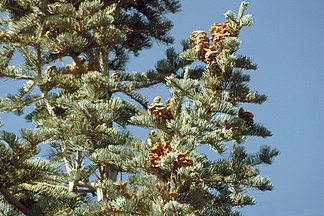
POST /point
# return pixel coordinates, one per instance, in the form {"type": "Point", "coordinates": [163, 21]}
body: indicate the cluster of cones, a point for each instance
{"type": "Point", "coordinates": [200, 41]}
{"type": "Point", "coordinates": [159, 110]}
{"type": "Point", "coordinates": [161, 149]}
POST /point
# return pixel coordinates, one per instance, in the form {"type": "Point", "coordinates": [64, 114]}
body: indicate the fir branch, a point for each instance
{"type": "Point", "coordinates": [245, 62]}
{"type": "Point", "coordinates": [264, 156]}
{"type": "Point", "coordinates": [13, 6]}
{"type": "Point", "coordinates": [14, 201]}
{"type": "Point", "coordinates": [140, 85]}
{"type": "Point", "coordinates": [242, 9]}
{"type": "Point", "coordinates": [6, 208]}
{"type": "Point", "coordinates": [138, 98]}
{"type": "Point", "coordinates": [60, 194]}
{"type": "Point", "coordinates": [17, 76]}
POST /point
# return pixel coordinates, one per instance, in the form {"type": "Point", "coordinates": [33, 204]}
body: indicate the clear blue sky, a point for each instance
{"type": "Point", "coordinates": [286, 43]}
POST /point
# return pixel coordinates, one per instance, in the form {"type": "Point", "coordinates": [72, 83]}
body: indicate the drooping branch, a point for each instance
{"type": "Point", "coordinates": [14, 201]}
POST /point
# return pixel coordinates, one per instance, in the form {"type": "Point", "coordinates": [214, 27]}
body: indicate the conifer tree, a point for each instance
{"type": "Point", "coordinates": [77, 111]}
{"type": "Point", "coordinates": [206, 109]}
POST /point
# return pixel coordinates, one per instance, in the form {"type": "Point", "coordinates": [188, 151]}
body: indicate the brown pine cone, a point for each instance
{"type": "Point", "coordinates": [199, 38]}
{"type": "Point", "coordinates": [157, 109]}
{"type": "Point", "coordinates": [246, 116]}
{"type": "Point", "coordinates": [200, 41]}
{"type": "Point", "coordinates": [219, 31]}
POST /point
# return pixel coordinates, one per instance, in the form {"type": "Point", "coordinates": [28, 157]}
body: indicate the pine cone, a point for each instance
{"type": "Point", "coordinates": [167, 113]}
{"type": "Point", "coordinates": [161, 149]}
{"type": "Point", "coordinates": [154, 106]}
{"type": "Point", "coordinates": [157, 109]}
{"type": "Point", "coordinates": [158, 151]}
{"type": "Point", "coordinates": [219, 31]}
{"type": "Point", "coordinates": [246, 116]}
{"type": "Point", "coordinates": [183, 161]}
{"type": "Point", "coordinates": [211, 53]}
{"type": "Point", "coordinates": [167, 147]}
{"type": "Point", "coordinates": [199, 40]}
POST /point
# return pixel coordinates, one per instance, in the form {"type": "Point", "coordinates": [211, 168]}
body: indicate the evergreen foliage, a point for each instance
{"type": "Point", "coordinates": [82, 122]}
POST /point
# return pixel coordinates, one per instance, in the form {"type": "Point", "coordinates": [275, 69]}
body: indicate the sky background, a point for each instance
{"type": "Point", "coordinates": [286, 43]}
